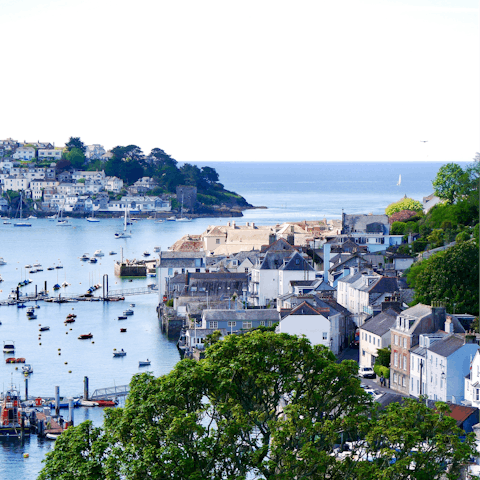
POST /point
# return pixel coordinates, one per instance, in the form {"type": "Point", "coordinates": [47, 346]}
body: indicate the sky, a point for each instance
{"type": "Point", "coordinates": [249, 80]}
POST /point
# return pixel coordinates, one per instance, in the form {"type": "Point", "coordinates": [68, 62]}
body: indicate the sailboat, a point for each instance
{"type": "Point", "coordinates": [182, 217]}
{"type": "Point", "coordinates": [20, 223]}
{"type": "Point", "coordinates": [61, 222]}
{"type": "Point", "coordinates": [124, 234]}
{"type": "Point", "coordinates": [92, 218]}
{"type": "Point", "coordinates": [399, 180]}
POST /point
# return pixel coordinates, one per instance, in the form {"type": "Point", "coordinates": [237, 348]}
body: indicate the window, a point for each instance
{"type": "Point", "coordinates": [418, 386]}
{"type": "Point", "coordinates": [232, 324]}
{"type": "Point", "coordinates": [247, 325]}
{"type": "Point", "coordinates": [395, 339]}
{"type": "Point", "coordinates": [363, 353]}
{"type": "Point", "coordinates": [404, 342]}
{"type": "Point", "coordinates": [325, 335]}
{"type": "Point", "coordinates": [369, 339]}
{"type": "Point", "coordinates": [394, 378]}
{"type": "Point", "coordinates": [412, 384]}
{"type": "Point", "coordinates": [270, 323]}
{"type": "Point", "coordinates": [262, 323]}
{"type": "Point", "coordinates": [403, 381]}
{"type": "Point", "coordinates": [212, 324]}
{"type": "Point", "coordinates": [477, 394]}
{"type": "Point", "coordinates": [395, 359]}
{"type": "Point", "coordinates": [217, 241]}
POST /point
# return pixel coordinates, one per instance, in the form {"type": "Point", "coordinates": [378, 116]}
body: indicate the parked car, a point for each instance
{"type": "Point", "coordinates": [366, 372]}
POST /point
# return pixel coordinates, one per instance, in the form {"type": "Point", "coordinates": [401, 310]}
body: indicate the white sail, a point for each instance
{"type": "Point", "coordinates": [399, 179]}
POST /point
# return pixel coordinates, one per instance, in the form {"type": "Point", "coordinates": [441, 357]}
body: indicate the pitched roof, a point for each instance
{"type": "Point", "coordinates": [307, 309]}
{"type": "Point", "coordinates": [448, 345]}
{"type": "Point", "coordinates": [296, 262]}
{"type": "Point", "coordinates": [380, 324]}
{"type": "Point", "coordinates": [268, 314]}
{"type": "Point", "coordinates": [460, 412]}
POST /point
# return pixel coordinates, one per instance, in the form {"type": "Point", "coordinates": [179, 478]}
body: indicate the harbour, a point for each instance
{"type": "Point", "coordinates": [143, 339]}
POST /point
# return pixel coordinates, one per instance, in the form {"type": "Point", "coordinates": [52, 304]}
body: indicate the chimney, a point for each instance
{"type": "Point", "coordinates": [449, 325]}
{"type": "Point", "coordinates": [233, 224]}
{"type": "Point", "coordinates": [253, 225]}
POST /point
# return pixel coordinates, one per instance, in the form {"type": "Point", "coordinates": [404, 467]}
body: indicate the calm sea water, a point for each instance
{"type": "Point", "coordinates": [291, 191]}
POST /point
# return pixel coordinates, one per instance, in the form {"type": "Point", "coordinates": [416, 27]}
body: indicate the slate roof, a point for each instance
{"type": "Point", "coordinates": [274, 260]}
{"type": "Point", "coordinates": [380, 324]}
{"type": "Point", "coordinates": [385, 285]}
{"type": "Point", "coordinates": [279, 245]}
{"type": "Point", "coordinates": [447, 346]}
{"type": "Point", "coordinates": [307, 309]}
{"type": "Point", "coordinates": [293, 264]}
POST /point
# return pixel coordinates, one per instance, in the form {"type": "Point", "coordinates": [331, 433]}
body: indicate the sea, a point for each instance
{"type": "Point", "coordinates": [292, 191]}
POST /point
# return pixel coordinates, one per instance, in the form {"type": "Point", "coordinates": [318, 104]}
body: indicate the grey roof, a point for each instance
{"type": "Point", "coordinates": [380, 324]}
{"type": "Point", "coordinates": [203, 332]}
{"type": "Point", "coordinates": [307, 309]}
{"type": "Point", "coordinates": [268, 314]}
{"type": "Point", "coordinates": [274, 260]}
{"type": "Point", "coordinates": [297, 262]}
{"type": "Point", "coordinates": [324, 286]}
{"type": "Point", "coordinates": [419, 310]}
{"type": "Point", "coordinates": [169, 254]}
{"type": "Point", "coordinates": [448, 345]}
{"type": "Point", "coordinates": [418, 350]}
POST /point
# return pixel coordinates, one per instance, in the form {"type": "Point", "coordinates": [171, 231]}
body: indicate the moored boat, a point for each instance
{"type": "Point", "coordinates": [119, 353]}
{"type": "Point", "coordinates": [27, 369]}
{"type": "Point", "coordinates": [8, 346]}
{"type": "Point", "coordinates": [144, 363]}
{"type": "Point", "coordinates": [122, 317]}
{"type": "Point", "coordinates": [44, 329]}
{"type": "Point", "coordinates": [85, 336]}
{"type": "Point", "coordinates": [128, 312]}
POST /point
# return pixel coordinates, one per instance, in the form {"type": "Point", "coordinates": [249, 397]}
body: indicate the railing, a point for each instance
{"type": "Point", "coordinates": [104, 393]}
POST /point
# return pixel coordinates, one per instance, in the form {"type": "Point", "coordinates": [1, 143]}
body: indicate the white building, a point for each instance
{"type": "Point", "coordinates": [113, 184]}
{"type": "Point", "coordinates": [375, 334]}
{"type": "Point", "coordinates": [95, 151]}
{"type": "Point", "coordinates": [472, 382]}
{"type": "Point", "coordinates": [53, 153]}
{"type": "Point", "coordinates": [24, 153]}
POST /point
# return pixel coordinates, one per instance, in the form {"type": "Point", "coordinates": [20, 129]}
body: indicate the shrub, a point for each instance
{"type": "Point", "coordinates": [380, 369]}
{"type": "Point", "coordinates": [404, 204]}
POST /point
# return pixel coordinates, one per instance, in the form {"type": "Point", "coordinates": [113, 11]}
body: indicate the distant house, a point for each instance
{"type": "Point", "coordinates": [430, 201]}
{"type": "Point", "coordinates": [24, 153]}
{"type": "Point", "coordinates": [50, 153]}
{"type": "Point", "coordinates": [94, 152]}
{"type": "Point", "coordinates": [360, 223]}
{"type": "Point", "coordinates": [235, 321]}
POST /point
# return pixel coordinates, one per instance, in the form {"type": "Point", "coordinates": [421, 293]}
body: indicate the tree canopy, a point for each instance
{"type": "Point", "coordinates": [450, 276]}
{"type": "Point", "coordinates": [75, 142]}
{"type": "Point", "coordinates": [453, 182]}
{"type": "Point", "coordinates": [260, 405]}
{"type": "Point", "coordinates": [404, 204]}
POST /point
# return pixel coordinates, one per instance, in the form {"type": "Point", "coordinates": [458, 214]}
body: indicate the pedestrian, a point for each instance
{"type": "Point", "coordinates": [382, 380]}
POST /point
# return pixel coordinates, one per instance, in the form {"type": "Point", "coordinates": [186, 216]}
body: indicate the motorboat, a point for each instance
{"type": "Point", "coordinates": [123, 330]}
{"type": "Point", "coordinates": [69, 320]}
{"type": "Point", "coordinates": [11, 419]}
{"type": "Point", "coordinates": [2, 261]}
{"type": "Point", "coordinates": [32, 316]}
{"type": "Point", "coordinates": [184, 219]}
{"type": "Point", "coordinates": [6, 222]}
{"type": "Point", "coordinates": [85, 257]}
{"type": "Point", "coordinates": [98, 253]}
{"type": "Point", "coordinates": [93, 260]}
{"type": "Point", "coordinates": [36, 265]}
{"type": "Point", "coordinates": [51, 268]}
{"type": "Point", "coordinates": [27, 369]}
{"type": "Point", "coordinates": [63, 223]}
{"type": "Point", "coordinates": [171, 219]}
{"type": "Point", "coordinates": [44, 329]}
{"type": "Point", "coordinates": [28, 266]}
{"type": "Point", "coordinates": [144, 363]}
{"type": "Point", "coordinates": [65, 284]}
{"type": "Point", "coordinates": [85, 336]}
{"type": "Point", "coordinates": [59, 266]}
{"type": "Point", "coordinates": [111, 252]}
{"type": "Point", "coordinates": [56, 287]}
{"type": "Point", "coordinates": [132, 304]}
{"type": "Point", "coordinates": [122, 317]}
{"type": "Point", "coordinates": [119, 353]}
{"type": "Point", "coordinates": [71, 315]}
{"type": "Point", "coordinates": [8, 346]}
{"type": "Point", "coordinates": [88, 403]}
{"type": "Point", "coordinates": [146, 253]}
{"type": "Point", "coordinates": [128, 312]}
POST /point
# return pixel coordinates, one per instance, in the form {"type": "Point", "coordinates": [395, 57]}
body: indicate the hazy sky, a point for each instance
{"type": "Point", "coordinates": [213, 80]}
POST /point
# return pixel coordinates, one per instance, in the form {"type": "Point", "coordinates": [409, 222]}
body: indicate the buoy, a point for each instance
{"type": "Point", "coordinates": [69, 371]}
{"type": "Point", "coordinates": [66, 333]}
{"type": "Point", "coordinates": [59, 349]}
{"type": "Point", "coordinates": [40, 343]}
{"type": "Point", "coordinates": [16, 368]}
{"type": "Point", "coordinates": [114, 349]}
{"type": "Point", "coordinates": [66, 363]}
{"type": "Point", "coordinates": [70, 329]}
{"type": "Point", "coordinates": [39, 324]}
{"type": "Point", "coordinates": [93, 342]}
{"type": "Point", "coordinates": [59, 353]}
{"type": "Point", "coordinates": [25, 455]}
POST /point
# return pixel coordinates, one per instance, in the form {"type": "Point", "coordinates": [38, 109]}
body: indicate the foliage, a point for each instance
{"type": "Point", "coordinates": [381, 370]}
{"type": "Point", "coordinates": [81, 180]}
{"type": "Point", "coordinates": [169, 302]}
{"type": "Point", "coordinates": [404, 204]}
{"type": "Point", "coordinates": [383, 357]}
{"type": "Point", "coordinates": [212, 338]}
{"type": "Point", "coordinates": [262, 405]}
{"type": "Point", "coordinates": [462, 237]}
{"type": "Point", "coordinates": [75, 142]}
{"type": "Point", "coordinates": [63, 165]}
{"type": "Point", "coordinates": [453, 182]}
{"type": "Point", "coordinates": [450, 276]}
{"type": "Point", "coordinates": [398, 228]}
{"type": "Point", "coordinates": [76, 157]}
{"type": "Point", "coordinates": [436, 238]}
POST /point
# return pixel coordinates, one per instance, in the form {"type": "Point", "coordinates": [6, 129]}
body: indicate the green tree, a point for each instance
{"type": "Point", "coordinates": [404, 204]}
{"type": "Point", "coordinates": [266, 405]}
{"type": "Point", "coordinates": [451, 182]}
{"type": "Point", "coordinates": [76, 158]}
{"type": "Point", "coordinates": [75, 142]}
{"type": "Point", "coordinates": [450, 276]}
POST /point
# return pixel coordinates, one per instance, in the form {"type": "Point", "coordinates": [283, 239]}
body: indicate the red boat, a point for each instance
{"type": "Point", "coordinates": [123, 329]}
{"type": "Point", "coordinates": [106, 403]}
{"type": "Point", "coordinates": [69, 320]}
{"type": "Point", "coordinates": [85, 336]}
{"type": "Point", "coordinates": [20, 360]}
{"type": "Point", "coordinates": [10, 360]}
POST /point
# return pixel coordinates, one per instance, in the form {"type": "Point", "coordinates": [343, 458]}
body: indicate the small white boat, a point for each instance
{"type": "Point", "coordinates": [85, 257]}
{"type": "Point", "coordinates": [93, 260]}
{"type": "Point", "coordinates": [63, 223]}
{"type": "Point", "coordinates": [52, 436]}
{"type": "Point", "coordinates": [37, 264]}
{"type": "Point", "coordinates": [87, 403]}
{"type": "Point", "coordinates": [158, 221]}
{"type": "Point", "coordinates": [146, 253]}
{"type": "Point", "coordinates": [132, 304]}
{"type": "Point", "coordinates": [27, 369]}
{"type": "Point", "coordinates": [28, 266]}
{"type": "Point", "coordinates": [93, 220]}
{"type": "Point", "coordinates": [65, 284]}
{"type": "Point", "coordinates": [128, 312]}
{"type": "Point", "coordinates": [184, 219]}
{"type": "Point", "coordinates": [8, 347]}
{"type": "Point", "coordinates": [6, 222]}
{"type": "Point", "coordinates": [32, 217]}
{"type": "Point", "coordinates": [119, 353]}
{"type": "Point", "coordinates": [2, 261]}
{"type": "Point", "coordinates": [171, 219]}
{"type": "Point", "coordinates": [59, 266]}
{"type": "Point", "coordinates": [98, 253]}
{"type": "Point", "coordinates": [144, 363]}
